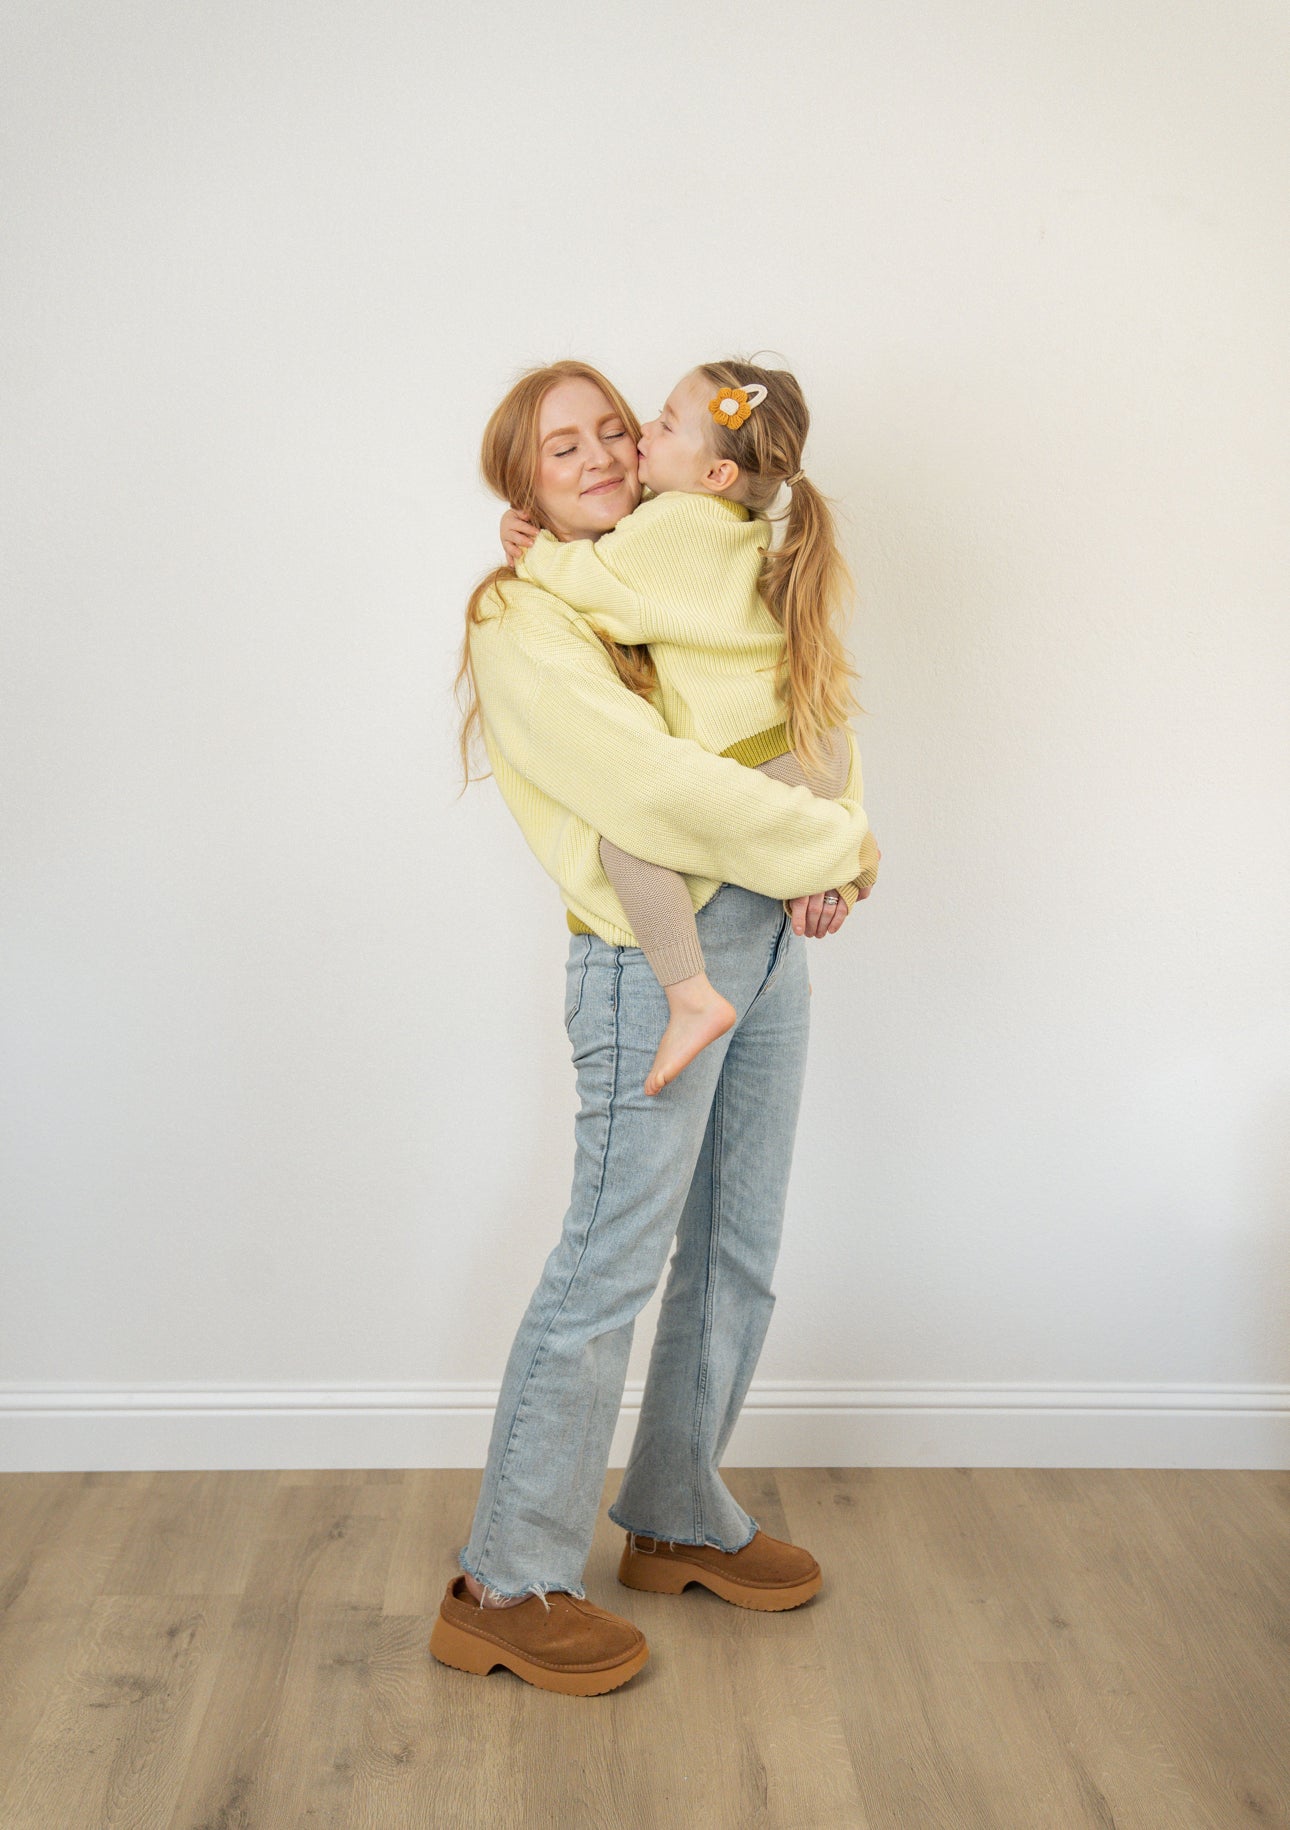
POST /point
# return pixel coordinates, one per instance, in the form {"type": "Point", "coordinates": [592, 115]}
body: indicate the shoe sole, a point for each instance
{"type": "Point", "coordinates": [465, 1651]}
{"type": "Point", "coordinates": [669, 1575]}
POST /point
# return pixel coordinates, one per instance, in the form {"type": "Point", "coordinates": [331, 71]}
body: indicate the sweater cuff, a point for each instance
{"type": "Point", "coordinates": [677, 959]}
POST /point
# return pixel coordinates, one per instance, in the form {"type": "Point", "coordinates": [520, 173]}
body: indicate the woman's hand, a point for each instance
{"type": "Point", "coordinates": [518, 532]}
{"type": "Point", "coordinates": [812, 918]}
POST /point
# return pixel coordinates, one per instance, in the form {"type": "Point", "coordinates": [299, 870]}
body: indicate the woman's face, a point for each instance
{"type": "Point", "coordinates": [586, 475]}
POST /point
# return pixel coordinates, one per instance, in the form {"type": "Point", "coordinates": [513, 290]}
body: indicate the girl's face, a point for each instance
{"type": "Point", "coordinates": [587, 464]}
{"type": "Point", "coordinates": [676, 449]}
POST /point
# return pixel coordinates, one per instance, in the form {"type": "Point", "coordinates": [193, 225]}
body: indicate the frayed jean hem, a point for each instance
{"type": "Point", "coordinates": [540, 1589]}
{"type": "Point", "coordinates": [660, 1537]}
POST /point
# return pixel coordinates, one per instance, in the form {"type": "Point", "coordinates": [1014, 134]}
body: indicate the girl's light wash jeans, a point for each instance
{"type": "Point", "coordinates": [705, 1164]}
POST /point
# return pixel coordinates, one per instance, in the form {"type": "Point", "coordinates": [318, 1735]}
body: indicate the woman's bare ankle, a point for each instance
{"type": "Point", "coordinates": [477, 1590]}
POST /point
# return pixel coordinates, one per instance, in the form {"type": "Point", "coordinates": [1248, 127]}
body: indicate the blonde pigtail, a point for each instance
{"type": "Point", "coordinates": [805, 581]}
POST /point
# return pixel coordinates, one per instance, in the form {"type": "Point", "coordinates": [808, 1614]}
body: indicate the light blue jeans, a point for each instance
{"type": "Point", "coordinates": [704, 1163]}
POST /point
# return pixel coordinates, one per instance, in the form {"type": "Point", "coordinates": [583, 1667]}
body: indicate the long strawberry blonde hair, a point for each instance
{"type": "Point", "coordinates": [508, 461]}
{"type": "Point", "coordinates": [804, 580]}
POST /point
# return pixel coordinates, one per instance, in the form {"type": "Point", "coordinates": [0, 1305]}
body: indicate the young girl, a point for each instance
{"type": "Point", "coordinates": [748, 660]}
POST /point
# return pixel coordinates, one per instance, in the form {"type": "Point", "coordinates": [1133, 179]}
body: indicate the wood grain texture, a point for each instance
{"type": "Point", "coordinates": [993, 1649]}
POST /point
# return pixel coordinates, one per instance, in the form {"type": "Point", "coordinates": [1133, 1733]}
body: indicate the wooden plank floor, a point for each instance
{"type": "Point", "coordinates": [993, 1649]}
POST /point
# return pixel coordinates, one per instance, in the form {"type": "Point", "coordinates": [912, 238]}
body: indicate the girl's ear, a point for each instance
{"type": "Point", "coordinates": [720, 475]}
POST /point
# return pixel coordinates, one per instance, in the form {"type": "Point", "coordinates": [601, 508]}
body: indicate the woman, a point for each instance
{"type": "Point", "coordinates": [578, 750]}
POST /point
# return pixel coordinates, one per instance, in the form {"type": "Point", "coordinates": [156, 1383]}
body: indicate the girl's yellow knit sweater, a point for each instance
{"type": "Point", "coordinates": [576, 755]}
{"type": "Point", "coordinates": [681, 573]}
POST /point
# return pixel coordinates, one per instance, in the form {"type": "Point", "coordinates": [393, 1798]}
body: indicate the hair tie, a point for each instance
{"type": "Point", "coordinates": [798, 476]}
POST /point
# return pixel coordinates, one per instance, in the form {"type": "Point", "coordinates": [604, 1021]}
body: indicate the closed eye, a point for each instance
{"type": "Point", "coordinates": [570, 449]}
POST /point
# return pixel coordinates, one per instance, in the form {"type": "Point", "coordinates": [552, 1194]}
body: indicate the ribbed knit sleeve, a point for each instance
{"type": "Point", "coordinates": [867, 875]}
{"type": "Point", "coordinates": [683, 567]}
{"type": "Point", "coordinates": [557, 711]}
{"type": "Point", "coordinates": [578, 572]}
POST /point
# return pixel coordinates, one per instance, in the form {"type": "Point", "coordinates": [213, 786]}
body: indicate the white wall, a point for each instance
{"type": "Point", "coordinates": [289, 1104]}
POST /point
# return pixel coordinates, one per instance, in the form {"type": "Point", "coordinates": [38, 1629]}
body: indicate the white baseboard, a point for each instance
{"type": "Point", "coordinates": [877, 1425]}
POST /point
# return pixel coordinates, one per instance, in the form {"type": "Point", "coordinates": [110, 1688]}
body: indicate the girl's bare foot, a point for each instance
{"type": "Point", "coordinates": [699, 1015]}
{"type": "Point", "coordinates": [477, 1590]}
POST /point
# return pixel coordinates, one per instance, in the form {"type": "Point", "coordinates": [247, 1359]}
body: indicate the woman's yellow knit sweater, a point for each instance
{"type": "Point", "coordinates": [575, 755]}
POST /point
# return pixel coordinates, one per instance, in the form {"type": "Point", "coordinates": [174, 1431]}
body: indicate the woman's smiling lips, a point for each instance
{"type": "Point", "coordinates": [603, 489]}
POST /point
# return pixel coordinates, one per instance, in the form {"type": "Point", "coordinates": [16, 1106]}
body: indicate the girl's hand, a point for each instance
{"type": "Point", "coordinates": [518, 532]}
{"type": "Point", "coordinates": [812, 918]}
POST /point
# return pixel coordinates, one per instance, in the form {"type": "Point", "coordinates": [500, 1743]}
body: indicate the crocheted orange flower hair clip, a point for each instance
{"type": "Point", "coordinates": [732, 406]}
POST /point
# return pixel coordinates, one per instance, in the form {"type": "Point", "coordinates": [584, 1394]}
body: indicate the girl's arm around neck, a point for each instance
{"type": "Point", "coordinates": [628, 579]}
{"type": "Point", "coordinates": [573, 571]}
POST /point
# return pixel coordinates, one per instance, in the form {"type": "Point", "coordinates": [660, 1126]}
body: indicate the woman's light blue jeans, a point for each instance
{"type": "Point", "coordinates": [705, 1164]}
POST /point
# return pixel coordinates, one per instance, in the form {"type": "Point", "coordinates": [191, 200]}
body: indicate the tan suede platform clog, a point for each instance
{"type": "Point", "coordinates": [767, 1573]}
{"type": "Point", "coordinates": [570, 1645]}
